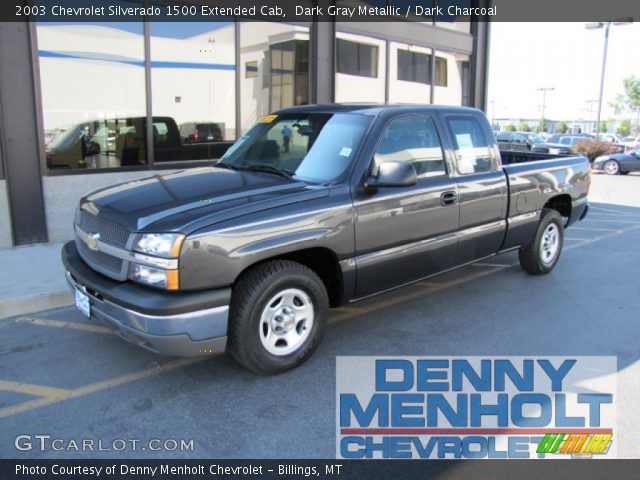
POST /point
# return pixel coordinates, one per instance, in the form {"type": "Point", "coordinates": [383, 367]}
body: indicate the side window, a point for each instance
{"type": "Point", "coordinates": [504, 137]}
{"type": "Point", "coordinates": [413, 139]}
{"type": "Point", "coordinates": [473, 154]}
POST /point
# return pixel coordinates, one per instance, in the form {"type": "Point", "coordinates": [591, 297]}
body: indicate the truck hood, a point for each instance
{"type": "Point", "coordinates": [187, 200]}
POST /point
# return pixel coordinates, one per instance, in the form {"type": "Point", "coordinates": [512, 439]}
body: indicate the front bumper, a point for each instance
{"type": "Point", "coordinates": [183, 324]}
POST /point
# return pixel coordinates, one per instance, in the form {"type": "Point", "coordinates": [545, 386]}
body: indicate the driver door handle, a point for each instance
{"type": "Point", "coordinates": [448, 198]}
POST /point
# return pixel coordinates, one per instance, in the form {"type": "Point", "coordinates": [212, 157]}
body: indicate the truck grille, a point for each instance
{"type": "Point", "coordinates": [109, 231]}
{"type": "Point", "coordinates": [100, 261]}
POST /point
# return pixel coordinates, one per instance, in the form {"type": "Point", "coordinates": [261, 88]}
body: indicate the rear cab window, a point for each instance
{"type": "Point", "coordinates": [472, 148]}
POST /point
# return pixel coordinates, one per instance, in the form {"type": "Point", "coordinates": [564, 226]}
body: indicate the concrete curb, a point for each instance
{"type": "Point", "coordinates": [12, 307]}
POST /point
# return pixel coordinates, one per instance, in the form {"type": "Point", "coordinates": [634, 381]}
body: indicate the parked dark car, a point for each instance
{"type": "Point", "coordinates": [200, 132]}
{"type": "Point", "coordinates": [249, 254]}
{"type": "Point", "coordinates": [517, 141]}
{"type": "Point", "coordinates": [619, 163]}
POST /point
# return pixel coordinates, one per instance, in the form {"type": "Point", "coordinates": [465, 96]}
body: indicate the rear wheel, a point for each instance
{"type": "Point", "coordinates": [543, 253]}
{"type": "Point", "coordinates": [612, 167]}
{"type": "Point", "coordinates": [278, 312]}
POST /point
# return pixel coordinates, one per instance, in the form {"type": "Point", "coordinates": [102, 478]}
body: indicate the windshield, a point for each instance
{"type": "Point", "coordinates": [535, 138]}
{"type": "Point", "coordinates": [317, 147]}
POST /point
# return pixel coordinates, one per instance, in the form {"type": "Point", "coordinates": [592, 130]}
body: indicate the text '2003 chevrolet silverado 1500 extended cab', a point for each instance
{"type": "Point", "coordinates": [249, 254]}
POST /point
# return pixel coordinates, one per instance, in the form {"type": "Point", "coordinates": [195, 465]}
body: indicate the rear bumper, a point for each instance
{"type": "Point", "coordinates": [184, 324]}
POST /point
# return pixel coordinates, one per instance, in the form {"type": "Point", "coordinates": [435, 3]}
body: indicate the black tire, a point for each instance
{"type": "Point", "coordinates": [539, 257]}
{"type": "Point", "coordinates": [611, 167]}
{"type": "Point", "coordinates": [250, 301]}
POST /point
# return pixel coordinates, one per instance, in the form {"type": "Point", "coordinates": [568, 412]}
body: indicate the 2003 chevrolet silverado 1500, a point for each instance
{"type": "Point", "coordinates": [249, 254]}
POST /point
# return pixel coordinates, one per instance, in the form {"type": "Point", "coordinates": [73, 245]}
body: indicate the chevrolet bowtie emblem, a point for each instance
{"type": "Point", "coordinates": [91, 240]}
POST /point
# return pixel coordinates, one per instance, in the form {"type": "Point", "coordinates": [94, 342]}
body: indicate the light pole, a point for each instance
{"type": "Point", "coordinates": [606, 26]}
{"type": "Point", "coordinates": [544, 91]}
{"type": "Point", "coordinates": [590, 103]}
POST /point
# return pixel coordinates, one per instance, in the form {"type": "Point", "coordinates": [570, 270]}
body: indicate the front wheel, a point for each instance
{"type": "Point", "coordinates": [612, 167]}
{"type": "Point", "coordinates": [543, 253]}
{"type": "Point", "coordinates": [278, 312]}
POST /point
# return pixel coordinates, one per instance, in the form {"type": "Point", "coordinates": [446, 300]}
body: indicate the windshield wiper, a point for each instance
{"type": "Point", "coordinates": [270, 169]}
{"type": "Point", "coordinates": [225, 165]}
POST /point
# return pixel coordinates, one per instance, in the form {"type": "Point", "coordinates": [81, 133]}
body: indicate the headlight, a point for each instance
{"type": "Point", "coordinates": [165, 245]}
{"type": "Point", "coordinates": [155, 260]}
{"type": "Point", "coordinates": [155, 277]}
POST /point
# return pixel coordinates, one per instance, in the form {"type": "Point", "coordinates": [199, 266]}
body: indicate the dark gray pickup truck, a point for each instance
{"type": "Point", "coordinates": [249, 254]}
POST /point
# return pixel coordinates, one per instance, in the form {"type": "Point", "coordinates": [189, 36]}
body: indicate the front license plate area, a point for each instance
{"type": "Point", "coordinates": [82, 303]}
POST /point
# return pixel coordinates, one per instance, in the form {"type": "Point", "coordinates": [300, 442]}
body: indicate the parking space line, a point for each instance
{"type": "Point", "coordinates": [588, 220]}
{"type": "Point", "coordinates": [85, 327]}
{"type": "Point", "coordinates": [35, 390]}
{"type": "Point", "coordinates": [98, 386]}
{"type": "Point", "coordinates": [597, 229]}
{"type": "Point", "coordinates": [611, 210]}
{"type": "Point", "coordinates": [608, 209]}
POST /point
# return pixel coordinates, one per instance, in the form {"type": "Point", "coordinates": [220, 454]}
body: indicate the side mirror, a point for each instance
{"type": "Point", "coordinates": [393, 174]}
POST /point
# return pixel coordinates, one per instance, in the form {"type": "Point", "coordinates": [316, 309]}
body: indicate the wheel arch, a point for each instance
{"type": "Point", "coordinates": [322, 261]}
{"type": "Point", "coordinates": [560, 203]}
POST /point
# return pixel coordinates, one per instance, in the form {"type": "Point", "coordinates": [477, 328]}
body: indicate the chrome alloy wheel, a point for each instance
{"type": "Point", "coordinates": [611, 167]}
{"type": "Point", "coordinates": [550, 244]}
{"type": "Point", "coordinates": [286, 321]}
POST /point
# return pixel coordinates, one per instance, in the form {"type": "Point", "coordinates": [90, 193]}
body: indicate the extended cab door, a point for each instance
{"type": "Point", "coordinates": [406, 233]}
{"type": "Point", "coordinates": [482, 188]}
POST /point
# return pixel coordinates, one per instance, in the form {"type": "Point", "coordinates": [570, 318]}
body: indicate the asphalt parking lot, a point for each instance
{"type": "Point", "coordinates": [62, 375]}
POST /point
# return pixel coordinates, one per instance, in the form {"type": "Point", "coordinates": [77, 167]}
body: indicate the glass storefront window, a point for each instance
{"type": "Point", "coordinates": [93, 94]}
{"type": "Point", "coordinates": [192, 89]}
{"type": "Point", "coordinates": [278, 54]}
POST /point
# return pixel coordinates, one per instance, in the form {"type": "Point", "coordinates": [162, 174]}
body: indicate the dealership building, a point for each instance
{"type": "Point", "coordinates": [86, 105]}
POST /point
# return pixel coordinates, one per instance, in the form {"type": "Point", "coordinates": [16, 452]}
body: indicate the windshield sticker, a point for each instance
{"type": "Point", "coordinates": [268, 119]}
{"type": "Point", "coordinates": [464, 141]}
{"type": "Point", "coordinates": [345, 152]}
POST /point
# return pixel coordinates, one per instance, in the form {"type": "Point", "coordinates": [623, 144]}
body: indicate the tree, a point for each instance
{"type": "Point", "coordinates": [624, 129]}
{"type": "Point", "coordinates": [629, 100]}
{"type": "Point", "coordinates": [524, 127]}
{"type": "Point", "coordinates": [604, 128]}
{"type": "Point", "coordinates": [510, 127]}
{"type": "Point", "coordinates": [562, 127]}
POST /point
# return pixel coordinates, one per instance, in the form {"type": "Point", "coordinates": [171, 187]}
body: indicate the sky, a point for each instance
{"type": "Point", "coordinates": [564, 56]}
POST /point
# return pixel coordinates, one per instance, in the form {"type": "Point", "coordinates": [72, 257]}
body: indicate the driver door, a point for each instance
{"type": "Point", "coordinates": [406, 233]}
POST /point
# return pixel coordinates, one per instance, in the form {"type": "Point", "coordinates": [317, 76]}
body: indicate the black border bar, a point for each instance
{"type": "Point", "coordinates": [320, 10]}
{"type": "Point", "coordinates": [348, 470]}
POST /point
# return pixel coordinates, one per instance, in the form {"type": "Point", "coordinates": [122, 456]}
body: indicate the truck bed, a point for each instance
{"type": "Point", "coordinates": [511, 157]}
